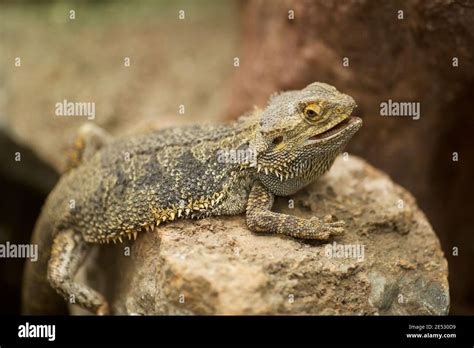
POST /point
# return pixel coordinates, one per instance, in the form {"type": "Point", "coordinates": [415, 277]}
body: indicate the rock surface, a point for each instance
{"type": "Point", "coordinates": [217, 266]}
{"type": "Point", "coordinates": [377, 51]}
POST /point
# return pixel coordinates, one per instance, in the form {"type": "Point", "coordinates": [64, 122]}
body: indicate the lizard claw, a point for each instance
{"type": "Point", "coordinates": [324, 230]}
{"type": "Point", "coordinates": [103, 309]}
{"type": "Point", "coordinates": [328, 218]}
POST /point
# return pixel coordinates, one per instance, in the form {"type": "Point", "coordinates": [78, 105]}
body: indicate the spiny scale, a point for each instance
{"type": "Point", "coordinates": [170, 214]}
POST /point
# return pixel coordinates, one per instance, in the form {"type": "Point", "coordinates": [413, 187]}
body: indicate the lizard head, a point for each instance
{"type": "Point", "coordinates": [299, 135]}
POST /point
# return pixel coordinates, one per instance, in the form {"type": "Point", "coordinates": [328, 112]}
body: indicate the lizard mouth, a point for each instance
{"type": "Point", "coordinates": [347, 123]}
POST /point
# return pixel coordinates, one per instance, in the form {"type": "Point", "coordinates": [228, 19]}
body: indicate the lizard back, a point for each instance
{"type": "Point", "coordinates": [138, 182]}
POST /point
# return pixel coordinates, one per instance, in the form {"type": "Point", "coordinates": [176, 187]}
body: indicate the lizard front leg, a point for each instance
{"type": "Point", "coordinates": [68, 253]}
{"type": "Point", "coordinates": [261, 219]}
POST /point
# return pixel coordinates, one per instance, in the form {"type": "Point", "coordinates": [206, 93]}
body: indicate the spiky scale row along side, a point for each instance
{"type": "Point", "coordinates": [193, 209]}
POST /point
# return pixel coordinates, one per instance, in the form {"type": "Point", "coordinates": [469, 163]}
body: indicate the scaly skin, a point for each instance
{"type": "Point", "coordinates": [117, 188]}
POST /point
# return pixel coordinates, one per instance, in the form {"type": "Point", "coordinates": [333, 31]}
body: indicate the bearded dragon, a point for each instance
{"type": "Point", "coordinates": [117, 188]}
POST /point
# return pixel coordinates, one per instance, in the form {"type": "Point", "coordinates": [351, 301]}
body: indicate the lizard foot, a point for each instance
{"type": "Point", "coordinates": [323, 229]}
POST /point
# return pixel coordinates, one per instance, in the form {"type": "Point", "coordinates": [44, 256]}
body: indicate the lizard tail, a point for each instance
{"type": "Point", "coordinates": [38, 297]}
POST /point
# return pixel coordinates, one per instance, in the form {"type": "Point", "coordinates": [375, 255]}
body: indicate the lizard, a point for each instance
{"type": "Point", "coordinates": [118, 187]}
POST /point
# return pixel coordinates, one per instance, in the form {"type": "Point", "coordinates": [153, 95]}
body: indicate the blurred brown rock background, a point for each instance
{"type": "Point", "coordinates": [191, 62]}
{"type": "Point", "coordinates": [409, 59]}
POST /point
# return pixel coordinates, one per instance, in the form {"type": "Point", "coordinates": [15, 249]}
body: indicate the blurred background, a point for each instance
{"type": "Point", "coordinates": [217, 59]}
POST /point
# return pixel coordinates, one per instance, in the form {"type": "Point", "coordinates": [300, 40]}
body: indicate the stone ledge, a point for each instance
{"type": "Point", "coordinates": [217, 266]}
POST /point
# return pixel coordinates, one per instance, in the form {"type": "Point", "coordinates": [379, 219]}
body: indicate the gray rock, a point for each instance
{"type": "Point", "coordinates": [388, 262]}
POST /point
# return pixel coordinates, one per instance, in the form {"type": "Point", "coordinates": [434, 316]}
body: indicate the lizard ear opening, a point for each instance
{"type": "Point", "coordinates": [278, 143]}
{"type": "Point", "coordinates": [278, 140]}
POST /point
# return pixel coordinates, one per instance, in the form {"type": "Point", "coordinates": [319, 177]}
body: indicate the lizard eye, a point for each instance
{"type": "Point", "coordinates": [312, 111]}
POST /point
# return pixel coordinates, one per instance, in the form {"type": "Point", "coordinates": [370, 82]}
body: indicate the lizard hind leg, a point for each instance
{"type": "Point", "coordinates": [68, 253]}
{"type": "Point", "coordinates": [90, 138]}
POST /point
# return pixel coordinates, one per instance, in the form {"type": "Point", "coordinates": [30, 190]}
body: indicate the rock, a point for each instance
{"type": "Point", "coordinates": [217, 266]}
{"type": "Point", "coordinates": [171, 65]}
{"type": "Point", "coordinates": [377, 51]}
